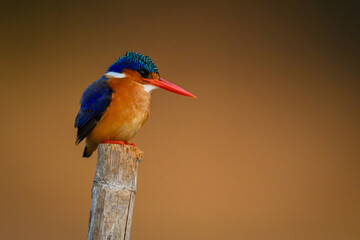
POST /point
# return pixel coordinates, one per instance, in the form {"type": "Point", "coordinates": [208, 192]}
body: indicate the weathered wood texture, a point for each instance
{"type": "Point", "coordinates": [113, 192]}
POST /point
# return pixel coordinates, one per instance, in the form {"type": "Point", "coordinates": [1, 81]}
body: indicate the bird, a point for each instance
{"type": "Point", "coordinates": [116, 106]}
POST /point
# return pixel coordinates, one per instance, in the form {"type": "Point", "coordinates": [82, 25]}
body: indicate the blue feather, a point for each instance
{"type": "Point", "coordinates": [133, 61]}
{"type": "Point", "coordinates": [94, 101]}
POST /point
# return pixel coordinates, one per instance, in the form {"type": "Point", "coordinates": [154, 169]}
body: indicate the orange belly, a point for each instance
{"type": "Point", "coordinates": [126, 114]}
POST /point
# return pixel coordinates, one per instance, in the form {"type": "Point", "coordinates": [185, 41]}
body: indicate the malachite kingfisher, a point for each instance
{"type": "Point", "coordinates": [116, 106]}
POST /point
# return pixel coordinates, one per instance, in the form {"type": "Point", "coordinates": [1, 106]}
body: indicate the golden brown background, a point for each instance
{"type": "Point", "coordinates": [269, 150]}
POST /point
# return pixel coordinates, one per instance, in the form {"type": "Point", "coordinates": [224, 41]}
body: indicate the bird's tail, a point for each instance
{"type": "Point", "coordinates": [86, 154]}
{"type": "Point", "coordinates": [90, 147]}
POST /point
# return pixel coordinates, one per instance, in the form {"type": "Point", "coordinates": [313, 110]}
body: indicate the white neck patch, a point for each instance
{"type": "Point", "coordinates": [114, 75]}
{"type": "Point", "coordinates": [148, 88]}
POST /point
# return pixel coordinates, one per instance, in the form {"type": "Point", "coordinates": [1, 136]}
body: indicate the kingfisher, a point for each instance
{"type": "Point", "coordinates": [116, 106]}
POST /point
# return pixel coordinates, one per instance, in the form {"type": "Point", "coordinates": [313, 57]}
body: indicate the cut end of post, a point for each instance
{"type": "Point", "coordinates": [133, 150]}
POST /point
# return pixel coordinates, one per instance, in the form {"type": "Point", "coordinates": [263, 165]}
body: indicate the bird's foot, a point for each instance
{"type": "Point", "coordinates": [132, 144]}
{"type": "Point", "coordinates": [114, 142]}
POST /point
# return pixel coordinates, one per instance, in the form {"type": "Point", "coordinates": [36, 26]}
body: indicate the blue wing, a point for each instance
{"type": "Point", "coordinates": [94, 101]}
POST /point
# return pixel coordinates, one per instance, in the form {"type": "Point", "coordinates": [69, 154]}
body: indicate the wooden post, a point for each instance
{"type": "Point", "coordinates": [113, 192]}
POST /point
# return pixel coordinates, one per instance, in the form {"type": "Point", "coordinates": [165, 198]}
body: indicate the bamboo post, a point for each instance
{"type": "Point", "coordinates": [113, 192]}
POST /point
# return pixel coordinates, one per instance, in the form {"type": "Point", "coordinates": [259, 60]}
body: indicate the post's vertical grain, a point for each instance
{"type": "Point", "coordinates": [113, 192]}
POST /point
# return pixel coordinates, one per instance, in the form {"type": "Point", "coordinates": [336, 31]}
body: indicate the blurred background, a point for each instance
{"type": "Point", "coordinates": [269, 150]}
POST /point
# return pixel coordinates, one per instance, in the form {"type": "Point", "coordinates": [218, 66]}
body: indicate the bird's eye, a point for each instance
{"type": "Point", "coordinates": [144, 73]}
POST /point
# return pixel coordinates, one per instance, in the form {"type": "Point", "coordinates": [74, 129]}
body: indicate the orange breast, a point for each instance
{"type": "Point", "coordinates": [126, 114]}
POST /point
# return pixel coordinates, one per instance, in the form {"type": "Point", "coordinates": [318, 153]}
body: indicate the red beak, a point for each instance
{"type": "Point", "coordinates": [162, 83]}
